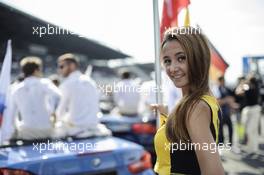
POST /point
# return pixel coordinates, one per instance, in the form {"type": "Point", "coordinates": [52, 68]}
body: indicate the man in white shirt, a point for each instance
{"type": "Point", "coordinates": [79, 105]}
{"type": "Point", "coordinates": [127, 95]}
{"type": "Point", "coordinates": [34, 101]}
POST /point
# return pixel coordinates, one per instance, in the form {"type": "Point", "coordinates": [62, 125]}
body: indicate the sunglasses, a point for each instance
{"type": "Point", "coordinates": [61, 66]}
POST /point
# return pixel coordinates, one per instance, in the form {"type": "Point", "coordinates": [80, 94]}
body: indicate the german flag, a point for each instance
{"type": "Point", "coordinates": [218, 64]}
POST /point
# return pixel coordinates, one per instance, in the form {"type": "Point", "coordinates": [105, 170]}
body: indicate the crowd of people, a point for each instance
{"type": "Point", "coordinates": [39, 109]}
{"type": "Point", "coordinates": [244, 104]}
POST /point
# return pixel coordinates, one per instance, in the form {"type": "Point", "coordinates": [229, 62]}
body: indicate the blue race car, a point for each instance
{"type": "Point", "coordinates": [104, 155]}
{"type": "Point", "coordinates": [136, 129]}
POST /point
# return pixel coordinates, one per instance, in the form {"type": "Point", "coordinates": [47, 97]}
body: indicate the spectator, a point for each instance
{"type": "Point", "coordinates": [226, 102]}
{"type": "Point", "coordinates": [240, 99]}
{"type": "Point", "coordinates": [251, 112]}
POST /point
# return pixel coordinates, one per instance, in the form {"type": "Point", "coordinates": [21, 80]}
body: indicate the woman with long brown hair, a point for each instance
{"type": "Point", "coordinates": [186, 142]}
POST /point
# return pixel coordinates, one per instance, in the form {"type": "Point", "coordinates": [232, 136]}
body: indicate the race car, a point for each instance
{"type": "Point", "coordinates": [99, 155]}
{"type": "Point", "coordinates": [138, 129]}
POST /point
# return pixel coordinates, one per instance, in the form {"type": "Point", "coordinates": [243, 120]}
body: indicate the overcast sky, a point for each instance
{"type": "Point", "coordinates": [235, 27]}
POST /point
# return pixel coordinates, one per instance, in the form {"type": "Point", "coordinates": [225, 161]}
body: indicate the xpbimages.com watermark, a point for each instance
{"type": "Point", "coordinates": [41, 31]}
{"type": "Point", "coordinates": [116, 88]}
{"type": "Point", "coordinates": [183, 30]}
{"type": "Point", "coordinates": [64, 146]}
{"type": "Point", "coordinates": [183, 146]}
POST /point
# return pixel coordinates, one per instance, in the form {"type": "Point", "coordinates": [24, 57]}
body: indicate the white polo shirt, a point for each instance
{"type": "Point", "coordinates": [79, 104]}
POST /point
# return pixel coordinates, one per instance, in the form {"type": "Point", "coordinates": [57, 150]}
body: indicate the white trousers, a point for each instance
{"type": "Point", "coordinates": [28, 133]}
{"type": "Point", "coordinates": [63, 129]}
{"type": "Point", "coordinates": [250, 119]}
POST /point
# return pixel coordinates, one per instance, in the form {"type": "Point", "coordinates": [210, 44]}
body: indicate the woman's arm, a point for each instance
{"type": "Point", "coordinates": [198, 126]}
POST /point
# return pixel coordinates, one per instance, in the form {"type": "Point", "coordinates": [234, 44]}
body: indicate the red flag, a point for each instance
{"type": "Point", "coordinates": [218, 64]}
{"type": "Point", "coordinates": [171, 10]}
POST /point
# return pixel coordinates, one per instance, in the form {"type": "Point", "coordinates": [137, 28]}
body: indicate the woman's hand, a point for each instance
{"type": "Point", "coordinates": [162, 108]}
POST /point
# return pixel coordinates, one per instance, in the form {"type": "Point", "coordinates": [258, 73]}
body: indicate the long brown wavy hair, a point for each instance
{"type": "Point", "coordinates": [197, 52]}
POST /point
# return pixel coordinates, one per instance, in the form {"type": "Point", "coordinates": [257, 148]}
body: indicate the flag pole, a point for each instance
{"type": "Point", "coordinates": [157, 54]}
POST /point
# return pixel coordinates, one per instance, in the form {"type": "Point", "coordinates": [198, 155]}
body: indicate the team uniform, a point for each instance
{"type": "Point", "coordinates": [182, 161]}
{"type": "Point", "coordinates": [32, 103]}
{"type": "Point", "coordinates": [78, 107]}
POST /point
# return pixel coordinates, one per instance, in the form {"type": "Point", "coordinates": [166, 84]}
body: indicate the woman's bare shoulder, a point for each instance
{"type": "Point", "coordinates": [200, 113]}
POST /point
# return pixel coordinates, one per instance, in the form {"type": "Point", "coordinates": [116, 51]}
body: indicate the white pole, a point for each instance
{"type": "Point", "coordinates": [157, 54]}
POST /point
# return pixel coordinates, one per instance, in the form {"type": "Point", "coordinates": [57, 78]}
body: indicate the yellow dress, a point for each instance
{"type": "Point", "coordinates": [182, 162]}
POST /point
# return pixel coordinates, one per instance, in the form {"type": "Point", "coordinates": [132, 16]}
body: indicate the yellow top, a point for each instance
{"type": "Point", "coordinates": [164, 163]}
